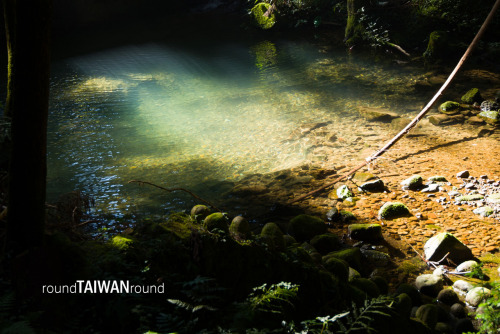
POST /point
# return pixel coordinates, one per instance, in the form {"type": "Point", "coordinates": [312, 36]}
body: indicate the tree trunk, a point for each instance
{"type": "Point", "coordinates": [354, 28]}
{"type": "Point", "coordinates": [27, 25]}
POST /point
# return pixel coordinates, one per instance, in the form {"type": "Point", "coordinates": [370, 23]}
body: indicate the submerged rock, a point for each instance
{"type": "Point", "coordinates": [414, 182]}
{"type": "Point", "coordinates": [436, 248]}
{"type": "Point", "coordinates": [472, 96]}
{"type": "Point", "coordinates": [377, 114]}
{"type": "Point", "coordinates": [449, 107]}
{"type": "Point", "coordinates": [492, 116]}
{"type": "Point", "coordinates": [372, 186]}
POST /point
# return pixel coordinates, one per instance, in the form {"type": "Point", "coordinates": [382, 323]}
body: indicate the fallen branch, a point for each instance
{"type": "Point", "coordinates": [176, 189]}
{"type": "Point", "coordinates": [400, 49]}
{"type": "Point", "coordinates": [421, 115]}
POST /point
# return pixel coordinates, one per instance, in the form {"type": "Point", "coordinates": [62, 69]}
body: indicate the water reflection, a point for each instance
{"type": "Point", "coordinates": [181, 118]}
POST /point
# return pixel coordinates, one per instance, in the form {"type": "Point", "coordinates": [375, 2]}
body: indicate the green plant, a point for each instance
{"type": "Point", "coordinates": [477, 272]}
{"type": "Point", "coordinates": [277, 298]}
{"type": "Point", "coordinates": [490, 314]}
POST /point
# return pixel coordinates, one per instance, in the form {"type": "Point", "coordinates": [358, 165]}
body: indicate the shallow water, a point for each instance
{"type": "Point", "coordinates": [200, 117]}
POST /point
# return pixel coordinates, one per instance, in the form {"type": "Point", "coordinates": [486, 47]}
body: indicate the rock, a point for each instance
{"type": "Point", "coordinates": [200, 211]}
{"type": "Point", "coordinates": [436, 248]}
{"type": "Point", "coordinates": [353, 273]}
{"type": "Point", "coordinates": [261, 20]}
{"type": "Point", "coordinates": [346, 216]}
{"type": "Point", "coordinates": [467, 198]}
{"type": "Point", "coordinates": [350, 255]}
{"type": "Point", "coordinates": [441, 120]}
{"type": "Point", "coordinates": [462, 285]}
{"type": "Point", "coordinates": [377, 114]}
{"type": "Point", "coordinates": [429, 284]}
{"type": "Point", "coordinates": [393, 210]}
{"type": "Point", "coordinates": [376, 258]}
{"type": "Point", "coordinates": [443, 328]}
{"type": "Point", "coordinates": [439, 271]}
{"type": "Point", "coordinates": [475, 120]}
{"type": "Point", "coordinates": [472, 96]}
{"type": "Point", "coordinates": [449, 108]}
{"type": "Point", "coordinates": [382, 284]}
{"type": "Point", "coordinates": [338, 267]}
{"type": "Point", "coordinates": [240, 228]}
{"type": "Point", "coordinates": [365, 232]}
{"type": "Point", "coordinates": [492, 116]}
{"type": "Point", "coordinates": [333, 215]}
{"type": "Point", "coordinates": [431, 188]}
{"type": "Point", "coordinates": [414, 182]}
{"type": "Point", "coordinates": [367, 286]}
{"type": "Point", "coordinates": [344, 192]}
{"type": "Point", "coordinates": [493, 198]}
{"type": "Point", "coordinates": [448, 297]}
{"type": "Point", "coordinates": [458, 311]}
{"type": "Point", "coordinates": [484, 211]}
{"type": "Point", "coordinates": [411, 291]}
{"type": "Point", "coordinates": [402, 304]}
{"type": "Point", "coordinates": [373, 186]}
{"type": "Point", "coordinates": [304, 227]}
{"type": "Point", "coordinates": [437, 178]}
{"type": "Point", "coordinates": [363, 177]}
{"type": "Point", "coordinates": [273, 236]}
{"type": "Point", "coordinates": [289, 240]}
{"type": "Point", "coordinates": [428, 314]}
{"type": "Point", "coordinates": [466, 266]}
{"type": "Point", "coordinates": [464, 326]}
{"type": "Point", "coordinates": [463, 174]}
{"type": "Point", "coordinates": [476, 295]}
{"type": "Point", "coordinates": [216, 221]}
{"type": "Point", "coordinates": [326, 243]}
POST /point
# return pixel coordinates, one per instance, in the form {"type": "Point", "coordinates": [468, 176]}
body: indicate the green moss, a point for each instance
{"type": "Point", "coordinates": [240, 228]}
{"type": "Point", "coordinates": [412, 266]}
{"type": "Point", "coordinates": [347, 216]}
{"type": "Point", "coordinates": [305, 227]}
{"type": "Point", "coordinates": [392, 210]}
{"type": "Point", "coordinates": [200, 211]}
{"type": "Point", "coordinates": [382, 284]}
{"type": "Point", "coordinates": [344, 192]}
{"type": "Point", "coordinates": [122, 243]}
{"type": "Point", "coordinates": [437, 178]}
{"type": "Point", "coordinates": [264, 22]}
{"type": "Point", "coordinates": [472, 96]}
{"type": "Point", "coordinates": [180, 224]}
{"type": "Point", "coordinates": [433, 227]}
{"type": "Point", "coordinates": [428, 314]}
{"type": "Point", "coordinates": [410, 290]}
{"type": "Point", "coordinates": [403, 305]}
{"type": "Point", "coordinates": [438, 46]}
{"type": "Point", "coordinates": [449, 107]}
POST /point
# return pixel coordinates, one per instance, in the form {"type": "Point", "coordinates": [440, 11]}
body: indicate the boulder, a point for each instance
{"type": "Point", "coordinates": [240, 228]}
{"type": "Point", "coordinates": [466, 266]}
{"type": "Point", "coordinates": [448, 297]}
{"type": "Point", "coordinates": [304, 227]}
{"type": "Point", "coordinates": [376, 258]}
{"type": "Point", "coordinates": [429, 284]}
{"type": "Point", "coordinates": [462, 286]}
{"type": "Point", "coordinates": [326, 243]}
{"type": "Point", "coordinates": [476, 295]}
{"type": "Point", "coordinates": [333, 215]}
{"type": "Point", "coordinates": [492, 116]}
{"type": "Point", "coordinates": [272, 235]}
{"type": "Point", "coordinates": [350, 255]}
{"type": "Point", "coordinates": [338, 267]}
{"type": "Point", "coordinates": [493, 198]}
{"type": "Point", "coordinates": [410, 290]}
{"type": "Point", "coordinates": [458, 311]}
{"type": "Point", "coordinates": [365, 232]}
{"type": "Point", "coordinates": [463, 174]}
{"type": "Point", "coordinates": [428, 314]}
{"type": "Point", "coordinates": [216, 221]}
{"type": "Point", "coordinates": [436, 248]}
{"type": "Point", "coordinates": [393, 210]}
{"type": "Point", "coordinates": [449, 108]}
{"type": "Point", "coordinates": [372, 186]}
{"type": "Point", "coordinates": [437, 178]}
{"type": "Point", "coordinates": [367, 286]}
{"type": "Point", "coordinates": [200, 211]}
{"type": "Point", "coordinates": [484, 211]}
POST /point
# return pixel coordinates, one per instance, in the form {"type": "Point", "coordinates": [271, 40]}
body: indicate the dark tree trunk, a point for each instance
{"type": "Point", "coordinates": [27, 25]}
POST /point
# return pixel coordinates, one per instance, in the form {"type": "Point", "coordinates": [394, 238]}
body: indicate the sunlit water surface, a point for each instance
{"type": "Point", "coordinates": [198, 117]}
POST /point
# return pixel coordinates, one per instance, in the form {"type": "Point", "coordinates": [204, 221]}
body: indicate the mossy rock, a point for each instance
{"type": "Point", "coordinates": [365, 232]}
{"type": "Point", "coordinates": [403, 304]}
{"type": "Point", "coordinates": [121, 242]}
{"type": "Point", "coordinates": [338, 267]}
{"type": "Point", "coordinates": [446, 243]}
{"type": "Point", "coordinates": [180, 224]}
{"type": "Point", "coordinates": [200, 211]}
{"type": "Point", "coordinates": [382, 284]}
{"type": "Point", "coordinates": [438, 46]}
{"type": "Point", "coordinates": [299, 254]}
{"type": "Point", "coordinates": [363, 177]}
{"type": "Point", "coordinates": [273, 236]}
{"type": "Point", "coordinates": [289, 240]}
{"type": "Point", "coordinates": [357, 295]}
{"type": "Point", "coordinates": [467, 198]}
{"type": "Point", "coordinates": [492, 116]}
{"type": "Point", "coordinates": [366, 285]}
{"type": "Point", "coordinates": [393, 210]}
{"type": "Point", "coordinates": [264, 22]}
{"type": "Point", "coordinates": [304, 227]}
{"type": "Point", "coordinates": [347, 216]}
{"type": "Point", "coordinates": [484, 211]}
{"type": "Point", "coordinates": [353, 273]}
{"type": "Point", "coordinates": [216, 221]}
{"type": "Point", "coordinates": [350, 255]}
{"type": "Point", "coordinates": [437, 178]}
{"type": "Point", "coordinates": [449, 107]}
{"type": "Point", "coordinates": [472, 96]}
{"type": "Point", "coordinates": [240, 228]}
{"type": "Point", "coordinates": [344, 192]}
{"type": "Point", "coordinates": [326, 243]}
{"type": "Point", "coordinates": [428, 314]}
{"type": "Point", "coordinates": [410, 290]}
{"type": "Point", "coordinates": [414, 182]}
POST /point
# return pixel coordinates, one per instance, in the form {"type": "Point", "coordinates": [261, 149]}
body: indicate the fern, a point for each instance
{"type": "Point", "coordinates": [362, 317]}
{"type": "Point", "coordinates": [273, 299]}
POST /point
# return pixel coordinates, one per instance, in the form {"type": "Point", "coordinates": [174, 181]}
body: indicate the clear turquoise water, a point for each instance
{"type": "Point", "coordinates": [199, 117]}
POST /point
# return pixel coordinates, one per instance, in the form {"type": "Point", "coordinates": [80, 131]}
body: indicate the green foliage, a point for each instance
{"type": "Point", "coordinates": [277, 298]}
{"type": "Point", "coordinates": [374, 32]}
{"type": "Point", "coordinates": [490, 315]}
{"type": "Point", "coordinates": [477, 272]}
